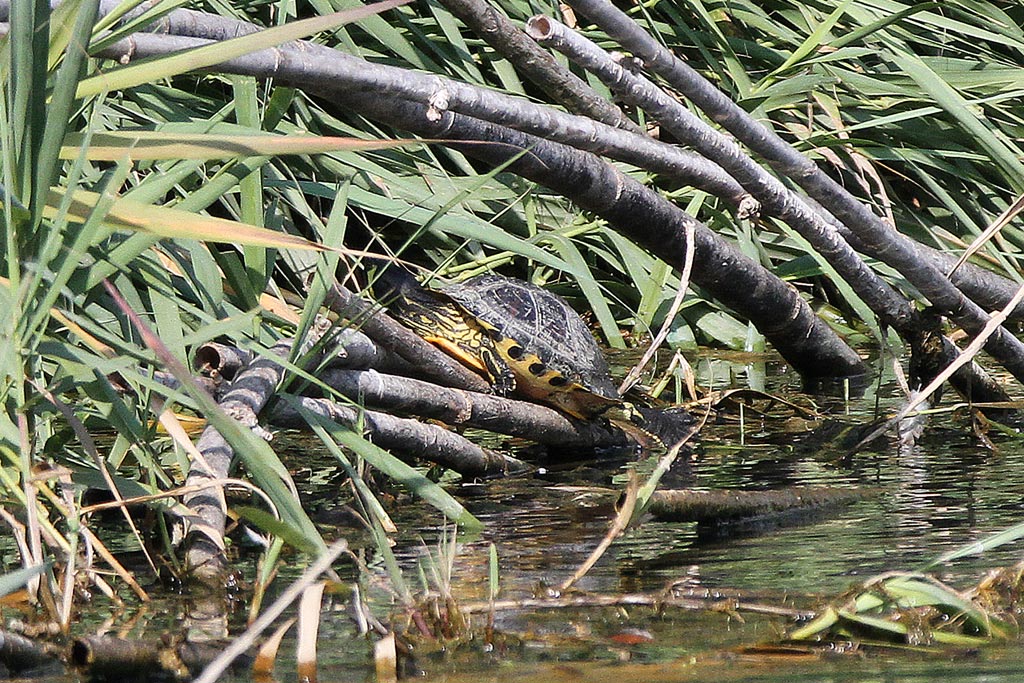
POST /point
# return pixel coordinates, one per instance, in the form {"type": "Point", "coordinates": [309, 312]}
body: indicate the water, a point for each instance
{"type": "Point", "coordinates": [944, 492]}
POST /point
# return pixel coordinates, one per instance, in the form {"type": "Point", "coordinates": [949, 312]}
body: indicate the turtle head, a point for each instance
{"type": "Point", "coordinates": [392, 281]}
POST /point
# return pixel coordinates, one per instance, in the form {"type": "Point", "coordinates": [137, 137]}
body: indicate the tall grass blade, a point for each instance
{"type": "Point", "coordinates": [128, 214]}
{"type": "Point", "coordinates": [62, 99]}
{"type": "Point", "coordinates": [157, 145]}
{"type": "Point", "coordinates": [17, 579]}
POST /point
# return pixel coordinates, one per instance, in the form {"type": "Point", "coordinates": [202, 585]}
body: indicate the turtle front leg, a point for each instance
{"type": "Point", "coordinates": [503, 380]}
{"type": "Point", "coordinates": [652, 428]}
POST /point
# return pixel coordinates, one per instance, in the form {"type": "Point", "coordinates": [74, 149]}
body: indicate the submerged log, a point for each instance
{"type": "Point", "coordinates": [105, 656]}
{"type": "Point", "coordinates": [729, 506]}
{"type": "Point", "coordinates": [118, 659]}
{"type": "Point", "coordinates": [19, 654]}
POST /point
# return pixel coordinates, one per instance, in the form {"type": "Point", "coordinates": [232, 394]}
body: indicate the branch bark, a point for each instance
{"type": "Point", "coordinates": [536, 64]}
{"type": "Point", "coordinates": [429, 361]}
{"type": "Point", "coordinates": [724, 506]}
{"type": "Point", "coordinates": [983, 286]}
{"type": "Point", "coordinates": [639, 213]}
{"type": "Point", "coordinates": [410, 439]}
{"type": "Point", "coordinates": [243, 400]}
{"type": "Point", "coordinates": [459, 408]}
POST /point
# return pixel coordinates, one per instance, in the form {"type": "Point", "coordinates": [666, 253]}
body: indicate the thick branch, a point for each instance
{"type": "Point", "coordinates": [536, 64]}
{"type": "Point", "coordinates": [243, 400]}
{"type": "Point", "coordinates": [981, 285]}
{"type": "Point", "coordinates": [356, 351]}
{"type": "Point", "coordinates": [350, 349]}
{"type": "Point", "coordinates": [404, 437]}
{"type": "Point", "coordinates": [459, 408]}
{"type": "Point", "coordinates": [988, 289]}
{"type": "Point", "coordinates": [891, 307]}
{"type": "Point", "coordinates": [429, 361]}
{"type": "Point", "coordinates": [775, 197]}
{"type": "Point", "coordinates": [639, 213]}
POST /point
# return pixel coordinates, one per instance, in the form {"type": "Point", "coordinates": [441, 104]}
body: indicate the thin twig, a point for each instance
{"type": "Point", "coordinates": [633, 376]}
{"type": "Point", "coordinates": [636, 599]}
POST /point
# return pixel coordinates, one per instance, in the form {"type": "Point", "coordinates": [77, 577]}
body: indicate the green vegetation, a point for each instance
{"type": "Point", "coordinates": [148, 209]}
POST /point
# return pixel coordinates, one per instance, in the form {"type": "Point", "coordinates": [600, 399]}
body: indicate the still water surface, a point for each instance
{"type": "Point", "coordinates": [944, 492]}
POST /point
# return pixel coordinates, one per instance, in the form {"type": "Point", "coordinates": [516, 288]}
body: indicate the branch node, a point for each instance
{"type": "Point", "coordinates": [438, 102]}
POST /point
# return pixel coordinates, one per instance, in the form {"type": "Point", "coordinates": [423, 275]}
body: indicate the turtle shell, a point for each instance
{"type": "Point", "coordinates": [544, 342]}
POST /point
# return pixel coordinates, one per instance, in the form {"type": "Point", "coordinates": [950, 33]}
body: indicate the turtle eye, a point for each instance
{"type": "Point", "coordinates": [538, 368]}
{"type": "Point", "coordinates": [515, 352]}
{"type": "Point", "coordinates": [558, 381]}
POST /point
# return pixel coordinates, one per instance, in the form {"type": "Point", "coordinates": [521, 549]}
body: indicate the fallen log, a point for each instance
{"type": "Point", "coordinates": [459, 408]}
{"type": "Point", "coordinates": [406, 438]}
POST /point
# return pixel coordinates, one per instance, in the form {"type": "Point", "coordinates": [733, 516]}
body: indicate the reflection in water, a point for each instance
{"type": "Point", "coordinates": [945, 493]}
{"type": "Point", "coordinates": [941, 494]}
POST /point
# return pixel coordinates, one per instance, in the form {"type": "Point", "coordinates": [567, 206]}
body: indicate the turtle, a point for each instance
{"type": "Point", "coordinates": [524, 339]}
